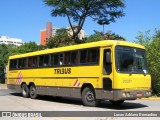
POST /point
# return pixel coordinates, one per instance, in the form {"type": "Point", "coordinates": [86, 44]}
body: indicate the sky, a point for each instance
{"type": "Point", "coordinates": [24, 19]}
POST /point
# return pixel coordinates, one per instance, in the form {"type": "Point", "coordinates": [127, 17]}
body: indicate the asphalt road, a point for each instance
{"type": "Point", "coordinates": [11, 101]}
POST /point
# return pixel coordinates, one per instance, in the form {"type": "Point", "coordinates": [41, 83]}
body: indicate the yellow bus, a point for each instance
{"type": "Point", "coordinates": [104, 70]}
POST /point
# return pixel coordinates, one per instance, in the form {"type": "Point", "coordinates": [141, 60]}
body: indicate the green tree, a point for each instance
{"type": "Point", "coordinates": [8, 50]}
{"type": "Point", "coordinates": [97, 36]}
{"type": "Point", "coordinates": [5, 52]}
{"type": "Point", "coordinates": [101, 11]}
{"type": "Point", "coordinates": [3, 56]}
{"type": "Point", "coordinates": [152, 45]}
{"type": "Point", "coordinates": [27, 47]}
{"type": "Point", "coordinates": [59, 41]}
{"type": "Point", "coordinates": [62, 31]}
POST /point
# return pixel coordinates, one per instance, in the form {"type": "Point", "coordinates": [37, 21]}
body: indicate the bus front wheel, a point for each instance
{"type": "Point", "coordinates": [33, 93]}
{"type": "Point", "coordinates": [25, 91]}
{"type": "Point", "coordinates": [88, 97]}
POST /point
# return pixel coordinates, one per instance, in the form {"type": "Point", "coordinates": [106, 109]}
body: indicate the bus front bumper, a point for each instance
{"type": "Point", "coordinates": [122, 95]}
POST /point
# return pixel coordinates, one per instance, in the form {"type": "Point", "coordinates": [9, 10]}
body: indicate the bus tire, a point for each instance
{"type": "Point", "coordinates": [25, 91]}
{"type": "Point", "coordinates": [88, 97]}
{"type": "Point", "coordinates": [118, 102]}
{"type": "Point", "coordinates": [33, 93]}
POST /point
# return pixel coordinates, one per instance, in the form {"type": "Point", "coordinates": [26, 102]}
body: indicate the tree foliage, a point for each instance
{"type": "Point", "coordinates": [27, 47]}
{"type": "Point", "coordinates": [3, 55]}
{"type": "Point", "coordinates": [97, 36]}
{"type": "Point", "coordinates": [152, 45]}
{"type": "Point", "coordinates": [101, 11]}
{"type": "Point", "coordinates": [59, 41]}
{"type": "Point", "coordinates": [7, 50]}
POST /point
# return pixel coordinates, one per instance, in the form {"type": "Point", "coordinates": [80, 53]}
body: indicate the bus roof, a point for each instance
{"type": "Point", "coordinates": [101, 43]}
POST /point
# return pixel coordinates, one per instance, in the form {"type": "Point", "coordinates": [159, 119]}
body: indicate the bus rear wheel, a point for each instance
{"type": "Point", "coordinates": [118, 102]}
{"type": "Point", "coordinates": [33, 93]}
{"type": "Point", "coordinates": [88, 97]}
{"type": "Point", "coordinates": [25, 91]}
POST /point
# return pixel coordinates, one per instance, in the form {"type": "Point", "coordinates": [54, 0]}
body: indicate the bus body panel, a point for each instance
{"type": "Point", "coordinates": [132, 81]}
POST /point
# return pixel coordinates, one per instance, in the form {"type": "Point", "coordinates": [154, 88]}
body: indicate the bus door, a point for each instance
{"type": "Point", "coordinates": [107, 70]}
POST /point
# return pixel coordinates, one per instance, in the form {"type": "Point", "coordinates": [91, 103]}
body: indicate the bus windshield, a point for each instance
{"type": "Point", "coordinates": [131, 60]}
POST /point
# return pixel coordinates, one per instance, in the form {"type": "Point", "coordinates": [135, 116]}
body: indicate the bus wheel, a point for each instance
{"type": "Point", "coordinates": [33, 93]}
{"type": "Point", "coordinates": [118, 102]}
{"type": "Point", "coordinates": [88, 97]}
{"type": "Point", "coordinates": [25, 91]}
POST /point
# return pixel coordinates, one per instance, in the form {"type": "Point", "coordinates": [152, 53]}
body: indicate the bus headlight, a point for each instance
{"type": "Point", "coordinates": [148, 93]}
{"type": "Point", "coordinates": [126, 94]}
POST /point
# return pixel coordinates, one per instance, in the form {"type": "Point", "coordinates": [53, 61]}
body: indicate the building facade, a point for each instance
{"type": "Point", "coordinates": [7, 40]}
{"type": "Point", "coordinates": [51, 31]}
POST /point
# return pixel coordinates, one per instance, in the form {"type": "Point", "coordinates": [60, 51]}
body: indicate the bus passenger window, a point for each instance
{"type": "Point", "coordinates": [30, 62]}
{"type": "Point", "coordinates": [74, 57]}
{"type": "Point", "coordinates": [55, 59]}
{"type": "Point", "coordinates": [46, 60]}
{"type": "Point", "coordinates": [13, 64]}
{"type": "Point", "coordinates": [19, 63]}
{"type": "Point", "coordinates": [67, 58]}
{"type": "Point", "coordinates": [41, 60]}
{"type": "Point", "coordinates": [52, 59]}
{"type": "Point", "coordinates": [34, 61]}
{"type": "Point", "coordinates": [24, 62]}
{"type": "Point", "coordinates": [60, 59]}
{"type": "Point", "coordinates": [93, 55]}
{"type": "Point", "coordinates": [83, 56]}
{"type": "Point", "coordinates": [107, 66]}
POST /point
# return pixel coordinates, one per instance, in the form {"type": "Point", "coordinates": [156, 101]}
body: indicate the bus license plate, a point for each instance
{"type": "Point", "coordinates": [139, 94]}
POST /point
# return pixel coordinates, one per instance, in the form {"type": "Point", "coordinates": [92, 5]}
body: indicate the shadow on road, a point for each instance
{"type": "Point", "coordinates": [127, 105]}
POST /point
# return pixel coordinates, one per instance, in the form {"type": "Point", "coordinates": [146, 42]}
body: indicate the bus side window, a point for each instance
{"type": "Point", "coordinates": [19, 63]}
{"type": "Point", "coordinates": [107, 66]}
{"type": "Point", "coordinates": [46, 60]}
{"type": "Point", "coordinates": [83, 56]}
{"type": "Point", "coordinates": [30, 62]}
{"type": "Point", "coordinates": [13, 64]}
{"type": "Point", "coordinates": [41, 60]}
{"type": "Point", "coordinates": [93, 55]}
{"type": "Point", "coordinates": [67, 58]}
{"type": "Point", "coordinates": [74, 57]}
{"type": "Point", "coordinates": [61, 59]}
{"type": "Point", "coordinates": [34, 61]}
{"type": "Point", "coordinates": [55, 59]}
{"type": "Point", "coordinates": [24, 62]}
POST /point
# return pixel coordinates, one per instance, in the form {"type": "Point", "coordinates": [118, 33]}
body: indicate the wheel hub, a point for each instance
{"type": "Point", "coordinates": [90, 97]}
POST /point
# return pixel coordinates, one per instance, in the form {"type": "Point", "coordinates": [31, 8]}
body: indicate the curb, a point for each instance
{"type": "Point", "coordinates": [151, 98]}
